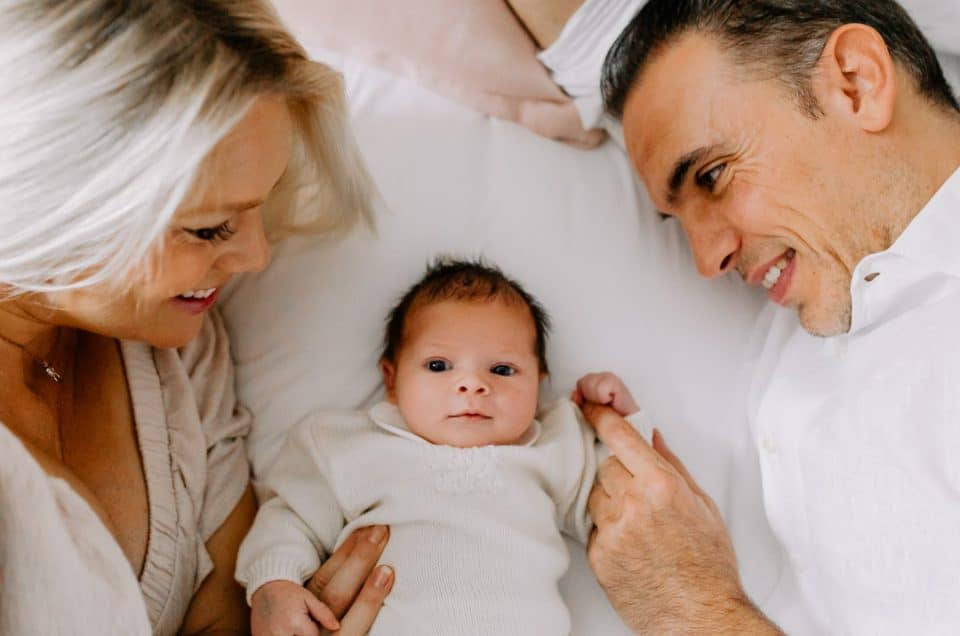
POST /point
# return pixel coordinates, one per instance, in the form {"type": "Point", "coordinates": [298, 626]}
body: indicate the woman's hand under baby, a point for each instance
{"type": "Point", "coordinates": [607, 389]}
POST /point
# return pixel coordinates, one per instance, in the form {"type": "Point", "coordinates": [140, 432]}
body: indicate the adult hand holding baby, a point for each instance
{"type": "Point", "coordinates": [284, 608]}
{"type": "Point", "coordinates": [659, 546]}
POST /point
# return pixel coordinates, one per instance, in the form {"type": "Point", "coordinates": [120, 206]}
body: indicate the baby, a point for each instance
{"type": "Point", "coordinates": [476, 491]}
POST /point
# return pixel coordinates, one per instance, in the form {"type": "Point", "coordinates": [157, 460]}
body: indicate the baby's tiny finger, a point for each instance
{"type": "Point", "coordinates": [321, 613]}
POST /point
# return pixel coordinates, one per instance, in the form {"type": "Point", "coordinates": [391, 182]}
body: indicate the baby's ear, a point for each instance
{"type": "Point", "coordinates": [389, 372]}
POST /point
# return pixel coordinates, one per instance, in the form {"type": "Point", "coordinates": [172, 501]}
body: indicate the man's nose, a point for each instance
{"type": "Point", "coordinates": [473, 384]}
{"type": "Point", "coordinates": [714, 246]}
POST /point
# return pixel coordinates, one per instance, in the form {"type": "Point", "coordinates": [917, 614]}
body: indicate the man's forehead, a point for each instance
{"type": "Point", "coordinates": [669, 110]}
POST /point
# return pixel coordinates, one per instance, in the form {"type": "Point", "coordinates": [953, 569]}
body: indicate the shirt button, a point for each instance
{"type": "Point", "coordinates": [769, 444]}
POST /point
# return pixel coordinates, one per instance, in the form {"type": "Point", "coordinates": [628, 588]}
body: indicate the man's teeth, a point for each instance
{"type": "Point", "coordinates": [773, 274]}
{"type": "Point", "coordinates": [199, 294]}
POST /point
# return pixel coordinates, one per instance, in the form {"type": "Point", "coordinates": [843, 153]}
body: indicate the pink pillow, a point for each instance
{"type": "Point", "coordinates": [474, 51]}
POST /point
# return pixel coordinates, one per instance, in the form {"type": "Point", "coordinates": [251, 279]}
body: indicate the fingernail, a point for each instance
{"type": "Point", "coordinates": [382, 576]}
{"type": "Point", "coordinates": [376, 534]}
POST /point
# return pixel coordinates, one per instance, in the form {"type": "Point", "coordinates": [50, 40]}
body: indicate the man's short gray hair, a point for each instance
{"type": "Point", "coordinates": [781, 39]}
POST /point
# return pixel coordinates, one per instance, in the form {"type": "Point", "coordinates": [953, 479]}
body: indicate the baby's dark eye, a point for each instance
{"type": "Point", "coordinates": [503, 369]}
{"type": "Point", "coordinates": [709, 178]}
{"type": "Point", "coordinates": [437, 366]}
{"type": "Point", "coordinates": [222, 232]}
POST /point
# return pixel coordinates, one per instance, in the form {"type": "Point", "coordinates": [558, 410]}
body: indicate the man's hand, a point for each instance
{"type": "Point", "coordinates": [659, 546]}
{"type": "Point", "coordinates": [348, 583]}
{"type": "Point", "coordinates": [605, 388]}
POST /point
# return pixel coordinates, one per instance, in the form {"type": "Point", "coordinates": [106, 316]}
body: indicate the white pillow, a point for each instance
{"type": "Point", "coordinates": [573, 227]}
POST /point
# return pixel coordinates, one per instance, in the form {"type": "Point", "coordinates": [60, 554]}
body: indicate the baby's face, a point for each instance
{"type": "Point", "coordinates": [466, 373]}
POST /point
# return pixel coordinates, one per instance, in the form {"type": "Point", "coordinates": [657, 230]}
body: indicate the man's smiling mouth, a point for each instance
{"type": "Point", "coordinates": [772, 275]}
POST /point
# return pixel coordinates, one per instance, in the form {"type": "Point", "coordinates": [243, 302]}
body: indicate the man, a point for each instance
{"type": "Point", "coordinates": [813, 148]}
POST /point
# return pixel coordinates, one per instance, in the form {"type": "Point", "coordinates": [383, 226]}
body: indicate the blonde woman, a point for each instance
{"type": "Point", "coordinates": [149, 151]}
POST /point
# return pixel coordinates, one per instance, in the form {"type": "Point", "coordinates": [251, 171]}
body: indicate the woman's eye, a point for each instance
{"type": "Point", "coordinates": [709, 178]}
{"type": "Point", "coordinates": [503, 369]}
{"type": "Point", "coordinates": [222, 232]}
{"type": "Point", "coordinates": [437, 366]}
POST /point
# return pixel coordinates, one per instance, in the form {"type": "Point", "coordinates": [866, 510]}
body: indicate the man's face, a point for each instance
{"type": "Point", "coordinates": [758, 185]}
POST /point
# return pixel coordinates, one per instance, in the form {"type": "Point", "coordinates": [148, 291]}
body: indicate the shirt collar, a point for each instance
{"type": "Point", "coordinates": [932, 238]}
{"type": "Point", "coordinates": [387, 416]}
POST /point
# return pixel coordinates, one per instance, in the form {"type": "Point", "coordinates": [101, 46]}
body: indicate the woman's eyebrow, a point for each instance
{"type": "Point", "coordinates": [238, 206]}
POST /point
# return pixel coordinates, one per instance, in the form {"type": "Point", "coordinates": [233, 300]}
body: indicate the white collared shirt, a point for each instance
{"type": "Point", "coordinates": [859, 439]}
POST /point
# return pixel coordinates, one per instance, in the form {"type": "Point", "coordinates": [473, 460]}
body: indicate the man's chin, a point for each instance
{"type": "Point", "coordinates": [823, 323]}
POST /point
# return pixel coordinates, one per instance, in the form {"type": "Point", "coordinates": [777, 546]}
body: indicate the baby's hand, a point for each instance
{"type": "Point", "coordinates": [605, 388]}
{"type": "Point", "coordinates": [283, 608]}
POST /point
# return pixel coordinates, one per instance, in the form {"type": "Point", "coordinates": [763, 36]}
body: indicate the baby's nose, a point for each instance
{"type": "Point", "coordinates": [473, 385]}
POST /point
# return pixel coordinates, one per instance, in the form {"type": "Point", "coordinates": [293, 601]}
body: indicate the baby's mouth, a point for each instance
{"type": "Point", "coordinates": [471, 415]}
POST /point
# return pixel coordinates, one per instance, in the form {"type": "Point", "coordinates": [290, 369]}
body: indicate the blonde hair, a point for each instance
{"type": "Point", "coordinates": [107, 110]}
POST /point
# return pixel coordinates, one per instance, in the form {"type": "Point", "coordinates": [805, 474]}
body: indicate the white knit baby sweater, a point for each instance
{"type": "Point", "coordinates": [474, 532]}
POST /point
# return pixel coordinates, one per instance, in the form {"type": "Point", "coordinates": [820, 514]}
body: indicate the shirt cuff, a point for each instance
{"type": "Point", "coordinates": [272, 569]}
{"type": "Point", "coordinates": [576, 57]}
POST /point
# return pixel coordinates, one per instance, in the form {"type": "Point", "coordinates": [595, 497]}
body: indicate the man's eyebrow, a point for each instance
{"type": "Point", "coordinates": [680, 170]}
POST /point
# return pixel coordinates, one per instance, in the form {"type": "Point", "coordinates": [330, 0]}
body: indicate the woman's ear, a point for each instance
{"type": "Point", "coordinates": [389, 372]}
{"type": "Point", "coordinates": [857, 78]}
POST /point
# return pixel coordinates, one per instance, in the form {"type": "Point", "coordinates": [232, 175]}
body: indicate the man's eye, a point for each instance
{"type": "Point", "coordinates": [222, 232]}
{"type": "Point", "coordinates": [709, 178]}
{"type": "Point", "coordinates": [437, 366]}
{"type": "Point", "coordinates": [503, 369]}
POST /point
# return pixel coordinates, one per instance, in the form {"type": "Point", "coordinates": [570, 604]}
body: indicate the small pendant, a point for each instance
{"type": "Point", "coordinates": [52, 373]}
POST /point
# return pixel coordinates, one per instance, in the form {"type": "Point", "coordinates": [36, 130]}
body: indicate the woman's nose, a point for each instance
{"type": "Point", "coordinates": [249, 250]}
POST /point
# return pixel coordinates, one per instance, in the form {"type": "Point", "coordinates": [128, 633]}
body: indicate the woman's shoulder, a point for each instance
{"type": "Point", "coordinates": [52, 540]}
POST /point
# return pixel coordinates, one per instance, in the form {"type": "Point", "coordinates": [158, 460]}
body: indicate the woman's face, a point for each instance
{"type": "Point", "coordinates": [217, 232]}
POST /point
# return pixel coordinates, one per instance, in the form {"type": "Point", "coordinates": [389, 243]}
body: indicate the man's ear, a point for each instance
{"type": "Point", "coordinates": [857, 78]}
{"type": "Point", "coordinates": [389, 371]}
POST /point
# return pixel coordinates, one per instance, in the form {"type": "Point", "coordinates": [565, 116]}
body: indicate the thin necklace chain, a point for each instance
{"type": "Point", "coordinates": [48, 368]}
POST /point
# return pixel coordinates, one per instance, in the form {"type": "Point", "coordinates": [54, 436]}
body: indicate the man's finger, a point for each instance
{"type": "Point", "coordinates": [359, 619]}
{"type": "Point", "coordinates": [613, 477]}
{"type": "Point", "coordinates": [343, 585]}
{"type": "Point", "coordinates": [623, 441]}
{"type": "Point", "coordinates": [602, 507]}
